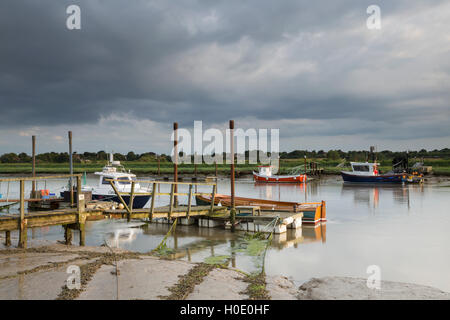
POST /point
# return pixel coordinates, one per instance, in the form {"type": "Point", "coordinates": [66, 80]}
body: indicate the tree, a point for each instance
{"type": "Point", "coordinates": [333, 155]}
{"type": "Point", "coordinates": [9, 158]}
{"type": "Point", "coordinates": [131, 156]}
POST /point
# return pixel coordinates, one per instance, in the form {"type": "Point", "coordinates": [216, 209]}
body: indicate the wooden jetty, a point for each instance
{"type": "Point", "coordinates": [249, 218]}
{"type": "Point", "coordinates": [75, 218]}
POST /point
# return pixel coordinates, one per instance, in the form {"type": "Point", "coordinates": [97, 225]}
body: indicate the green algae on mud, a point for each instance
{"type": "Point", "coordinates": [187, 282]}
{"type": "Point", "coordinates": [256, 289]}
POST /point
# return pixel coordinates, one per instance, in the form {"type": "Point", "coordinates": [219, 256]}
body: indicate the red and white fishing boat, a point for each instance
{"type": "Point", "coordinates": [265, 175]}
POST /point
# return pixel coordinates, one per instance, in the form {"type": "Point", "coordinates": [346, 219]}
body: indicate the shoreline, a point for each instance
{"type": "Point", "coordinates": [200, 176]}
{"type": "Point", "coordinates": [42, 274]}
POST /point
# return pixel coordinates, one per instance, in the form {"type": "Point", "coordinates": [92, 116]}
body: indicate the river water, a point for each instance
{"type": "Point", "coordinates": [402, 229]}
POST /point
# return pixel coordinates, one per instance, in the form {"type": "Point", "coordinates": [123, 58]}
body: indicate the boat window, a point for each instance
{"type": "Point", "coordinates": [361, 168]}
{"type": "Point", "coordinates": [123, 180]}
{"type": "Point", "coordinates": [105, 180]}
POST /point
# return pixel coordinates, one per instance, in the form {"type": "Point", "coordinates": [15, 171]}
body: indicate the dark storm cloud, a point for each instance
{"type": "Point", "coordinates": [213, 60]}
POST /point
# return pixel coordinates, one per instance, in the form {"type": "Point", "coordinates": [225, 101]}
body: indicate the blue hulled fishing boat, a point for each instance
{"type": "Point", "coordinates": [368, 172]}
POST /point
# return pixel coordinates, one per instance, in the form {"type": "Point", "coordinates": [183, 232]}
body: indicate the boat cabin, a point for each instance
{"type": "Point", "coordinates": [114, 170]}
{"type": "Point", "coordinates": [265, 171]}
{"type": "Point", "coordinates": [365, 168]}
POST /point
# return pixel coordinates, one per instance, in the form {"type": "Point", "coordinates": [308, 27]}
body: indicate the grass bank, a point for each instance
{"type": "Point", "coordinates": [440, 167]}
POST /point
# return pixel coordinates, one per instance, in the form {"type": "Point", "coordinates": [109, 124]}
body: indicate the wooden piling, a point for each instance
{"type": "Point", "coordinates": [305, 164]}
{"type": "Point", "coordinates": [33, 168]}
{"type": "Point", "coordinates": [67, 235]}
{"type": "Point", "coordinates": [189, 202]}
{"type": "Point", "coordinates": [22, 220]}
{"type": "Point", "coordinates": [233, 206]}
{"type": "Point", "coordinates": [82, 234]}
{"type": "Point", "coordinates": [215, 164]}
{"type": "Point", "coordinates": [152, 203]}
{"type": "Point", "coordinates": [172, 198]}
{"type": "Point", "coordinates": [131, 202]}
{"type": "Point", "coordinates": [81, 214]}
{"type": "Point", "coordinates": [175, 162]}
{"type": "Point", "coordinates": [7, 238]}
{"type": "Point", "coordinates": [71, 169]}
{"type": "Point", "coordinates": [213, 198]}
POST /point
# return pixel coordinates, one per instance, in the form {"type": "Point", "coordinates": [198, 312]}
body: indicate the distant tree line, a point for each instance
{"type": "Point", "coordinates": [364, 155]}
{"type": "Point", "coordinates": [86, 157]}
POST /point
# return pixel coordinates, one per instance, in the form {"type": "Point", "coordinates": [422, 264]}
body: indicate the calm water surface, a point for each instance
{"type": "Point", "coordinates": [402, 229]}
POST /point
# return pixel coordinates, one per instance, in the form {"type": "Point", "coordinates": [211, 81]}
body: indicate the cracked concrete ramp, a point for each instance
{"type": "Point", "coordinates": [220, 284]}
{"type": "Point", "coordinates": [148, 278]}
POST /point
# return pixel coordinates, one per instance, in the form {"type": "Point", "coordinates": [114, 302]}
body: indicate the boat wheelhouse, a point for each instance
{"type": "Point", "coordinates": [368, 172]}
{"type": "Point", "coordinates": [265, 175]}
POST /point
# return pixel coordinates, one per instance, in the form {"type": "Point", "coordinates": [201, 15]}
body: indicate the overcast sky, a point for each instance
{"type": "Point", "coordinates": [310, 68]}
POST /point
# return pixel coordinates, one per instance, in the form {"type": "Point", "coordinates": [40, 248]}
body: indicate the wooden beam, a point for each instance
{"type": "Point", "coordinates": [111, 182]}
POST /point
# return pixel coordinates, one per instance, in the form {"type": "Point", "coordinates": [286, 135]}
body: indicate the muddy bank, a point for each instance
{"type": "Point", "coordinates": [42, 273]}
{"type": "Point", "coordinates": [346, 288]}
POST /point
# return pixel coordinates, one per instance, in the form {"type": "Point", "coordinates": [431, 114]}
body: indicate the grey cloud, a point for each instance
{"type": "Point", "coordinates": [150, 59]}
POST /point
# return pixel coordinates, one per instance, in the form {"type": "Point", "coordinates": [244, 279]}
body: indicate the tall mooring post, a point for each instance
{"type": "Point", "coordinates": [159, 165]}
{"type": "Point", "coordinates": [33, 169]}
{"type": "Point", "coordinates": [71, 169]}
{"type": "Point", "coordinates": [80, 212]}
{"type": "Point", "coordinates": [305, 164]}
{"type": "Point", "coordinates": [175, 161]}
{"type": "Point", "coordinates": [233, 206]}
{"type": "Point", "coordinates": [22, 220]}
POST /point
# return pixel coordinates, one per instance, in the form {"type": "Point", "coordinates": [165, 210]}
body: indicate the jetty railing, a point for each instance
{"type": "Point", "coordinates": [22, 216]}
{"type": "Point", "coordinates": [172, 194]}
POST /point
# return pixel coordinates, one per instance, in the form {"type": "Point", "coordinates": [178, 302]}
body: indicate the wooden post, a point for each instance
{"type": "Point", "coordinates": [81, 215]}
{"type": "Point", "coordinates": [67, 235]}
{"type": "Point", "coordinates": [195, 171]}
{"type": "Point", "coordinates": [71, 169]}
{"type": "Point", "coordinates": [22, 220]}
{"type": "Point", "coordinates": [213, 198]}
{"type": "Point", "coordinates": [189, 202]}
{"type": "Point", "coordinates": [82, 234]}
{"type": "Point", "coordinates": [172, 197]}
{"type": "Point", "coordinates": [233, 206]}
{"type": "Point", "coordinates": [131, 201]}
{"type": "Point", "coordinates": [7, 238]}
{"type": "Point", "coordinates": [152, 203]}
{"type": "Point", "coordinates": [215, 163]}
{"type": "Point", "coordinates": [305, 164]}
{"type": "Point", "coordinates": [175, 162]}
{"type": "Point", "coordinates": [33, 169]}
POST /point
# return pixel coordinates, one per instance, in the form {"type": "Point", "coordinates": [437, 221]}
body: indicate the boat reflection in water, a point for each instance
{"type": "Point", "coordinates": [304, 235]}
{"type": "Point", "coordinates": [370, 194]}
{"type": "Point", "coordinates": [119, 237]}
